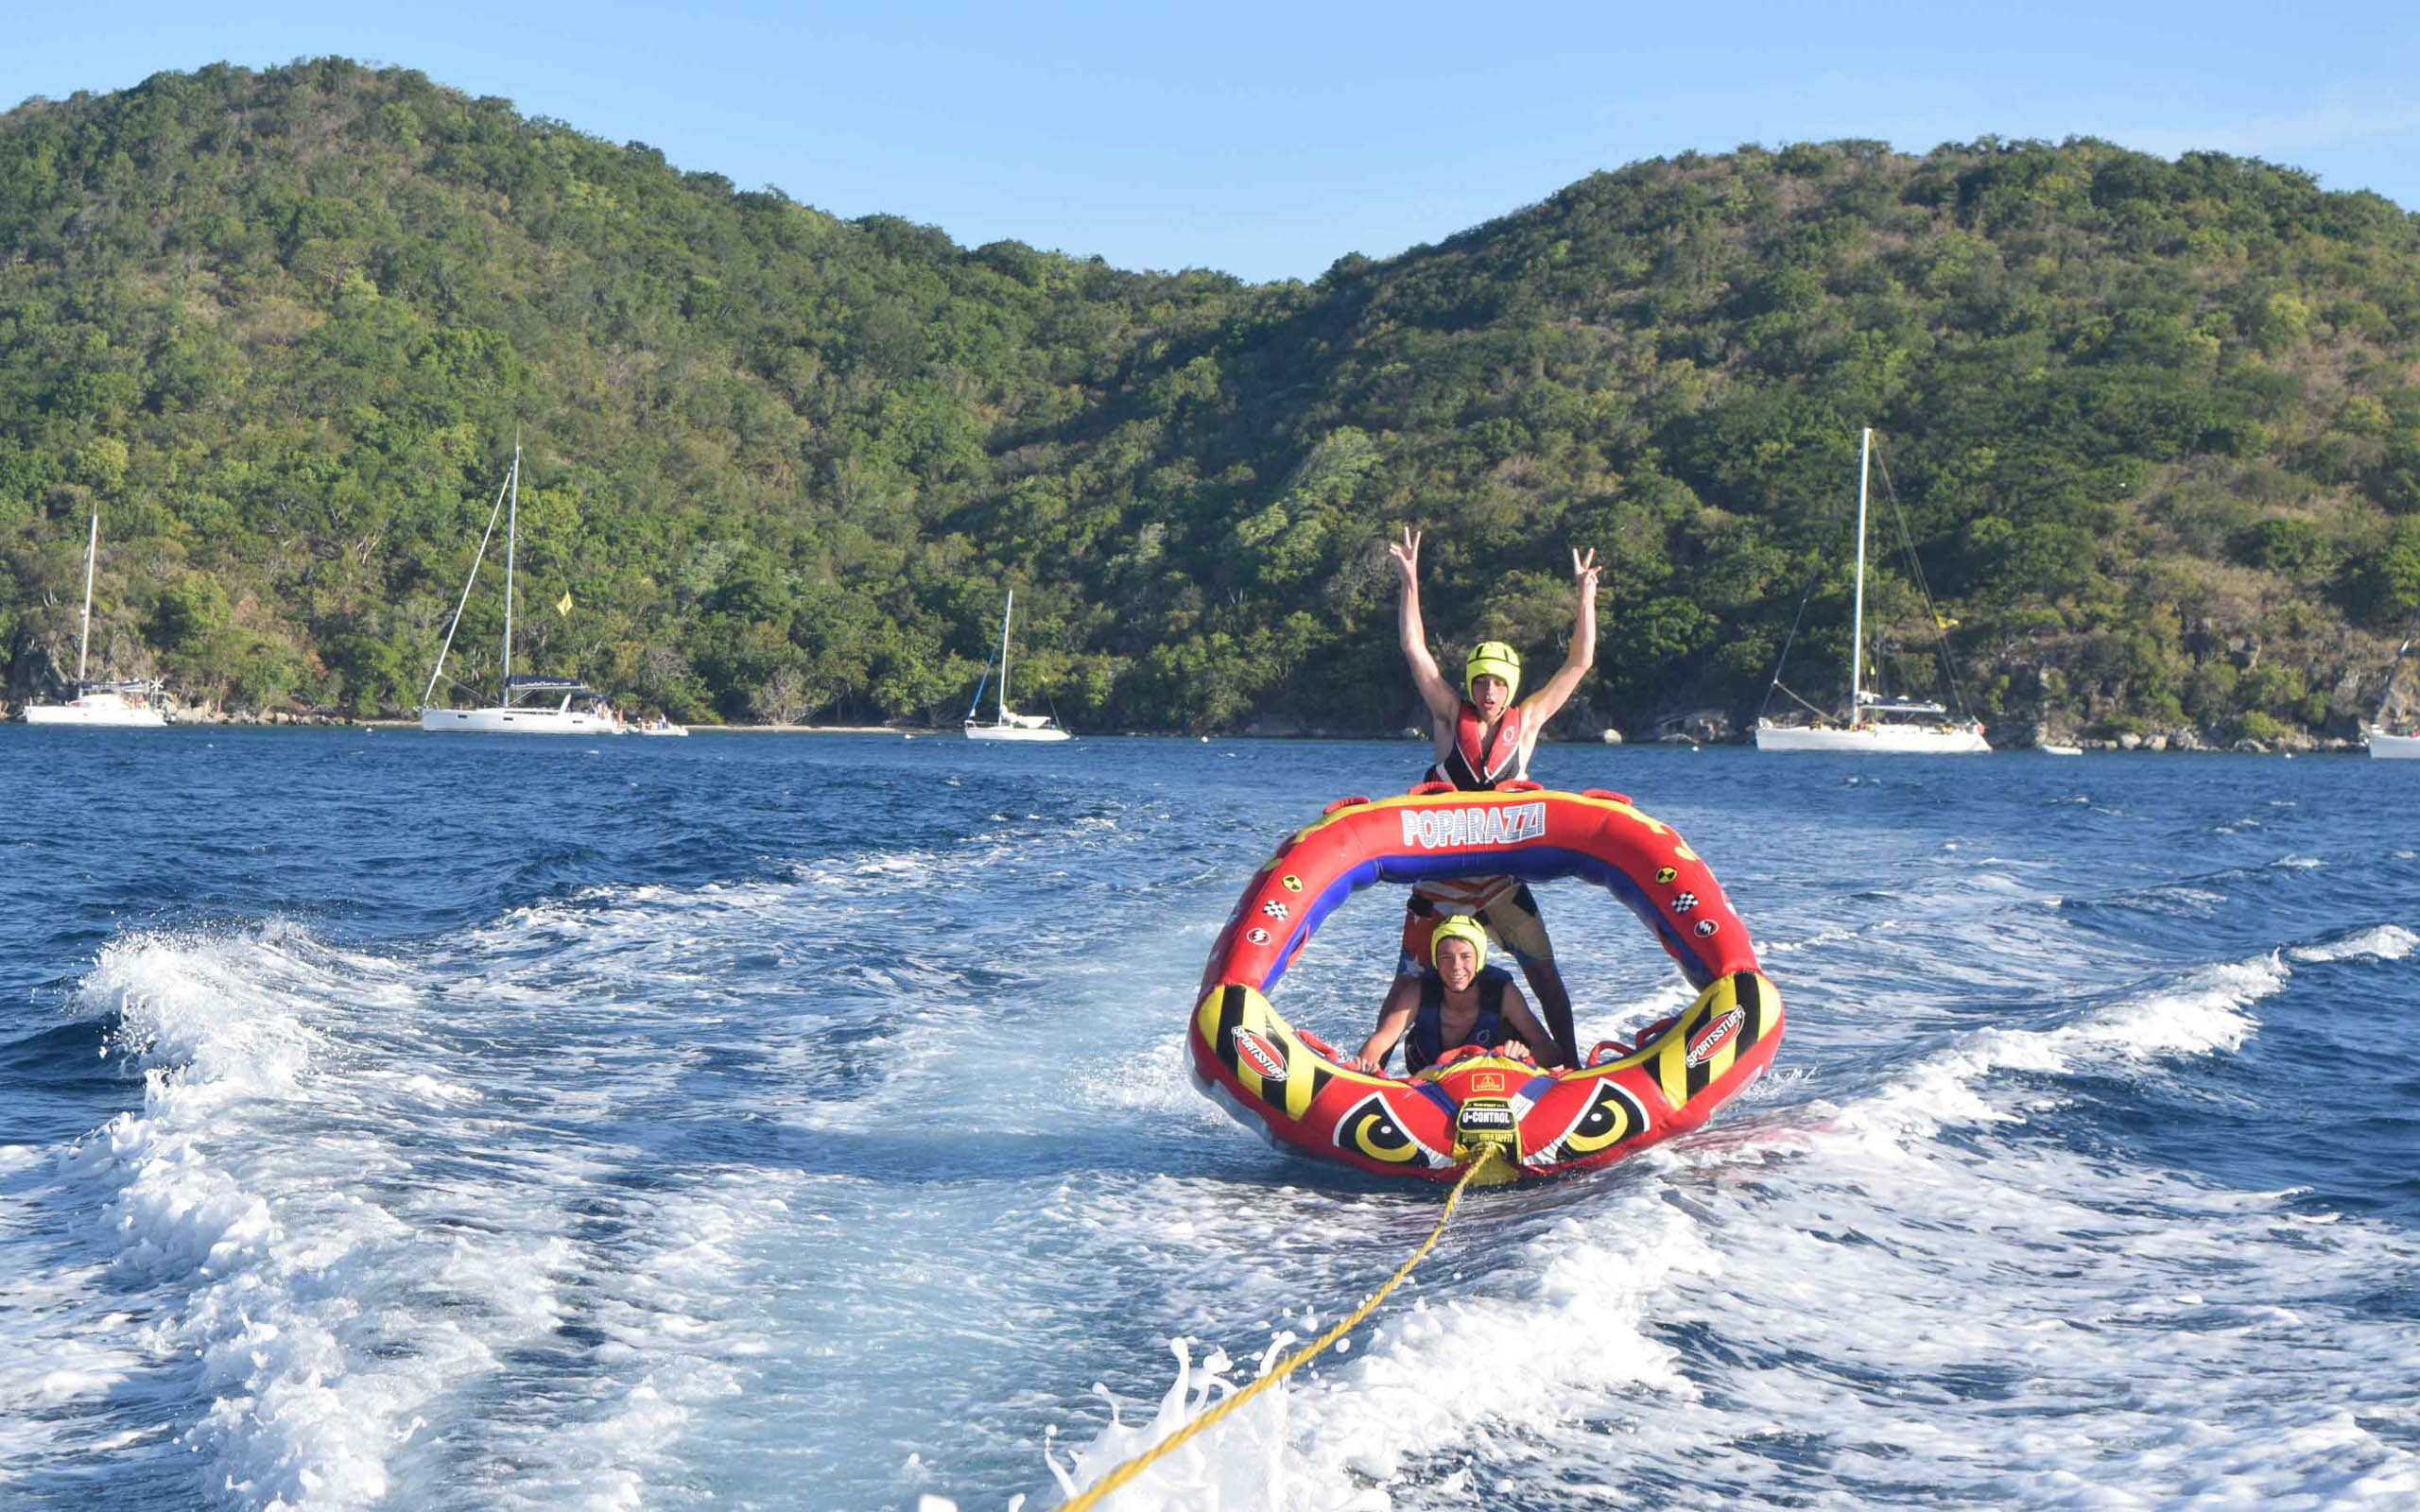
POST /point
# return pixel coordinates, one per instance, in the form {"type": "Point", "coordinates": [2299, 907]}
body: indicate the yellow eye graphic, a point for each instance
{"type": "Point", "coordinates": [1369, 1129]}
{"type": "Point", "coordinates": [1612, 1116]}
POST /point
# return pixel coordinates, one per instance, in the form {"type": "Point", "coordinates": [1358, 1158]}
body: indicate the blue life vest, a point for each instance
{"type": "Point", "coordinates": [1425, 1044]}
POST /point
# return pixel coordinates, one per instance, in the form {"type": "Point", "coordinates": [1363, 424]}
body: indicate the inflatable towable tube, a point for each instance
{"type": "Point", "coordinates": [1299, 1092]}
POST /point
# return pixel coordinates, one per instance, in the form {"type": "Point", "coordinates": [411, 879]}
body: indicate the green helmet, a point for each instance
{"type": "Point", "coordinates": [1494, 659]}
{"type": "Point", "coordinates": [1458, 926]}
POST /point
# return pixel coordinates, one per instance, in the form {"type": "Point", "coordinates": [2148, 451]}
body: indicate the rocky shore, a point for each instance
{"type": "Point", "coordinates": [2186, 738]}
{"type": "Point", "coordinates": [1704, 728]}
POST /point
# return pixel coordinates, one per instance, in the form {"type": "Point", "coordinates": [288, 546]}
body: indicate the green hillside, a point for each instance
{"type": "Point", "coordinates": [2155, 428]}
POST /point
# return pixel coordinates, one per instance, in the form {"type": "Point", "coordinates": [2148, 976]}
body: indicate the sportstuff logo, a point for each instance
{"type": "Point", "coordinates": [1714, 1037]}
{"type": "Point", "coordinates": [1260, 1053]}
{"type": "Point", "coordinates": [1442, 829]}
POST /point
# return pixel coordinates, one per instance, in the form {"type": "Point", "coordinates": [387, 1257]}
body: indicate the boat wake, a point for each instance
{"type": "Point", "coordinates": [345, 1213]}
{"type": "Point", "coordinates": [1746, 1317]}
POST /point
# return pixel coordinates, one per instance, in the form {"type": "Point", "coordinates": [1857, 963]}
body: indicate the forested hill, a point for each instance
{"type": "Point", "coordinates": [2155, 428]}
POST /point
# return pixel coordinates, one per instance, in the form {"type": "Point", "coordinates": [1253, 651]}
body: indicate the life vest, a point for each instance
{"type": "Point", "coordinates": [1474, 768]}
{"type": "Point", "coordinates": [1425, 1042]}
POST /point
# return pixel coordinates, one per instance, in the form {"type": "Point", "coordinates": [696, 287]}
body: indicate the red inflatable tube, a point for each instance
{"type": "Point", "coordinates": [1298, 1091]}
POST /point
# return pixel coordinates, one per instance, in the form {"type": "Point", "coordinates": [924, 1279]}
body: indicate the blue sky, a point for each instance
{"type": "Point", "coordinates": [1270, 140]}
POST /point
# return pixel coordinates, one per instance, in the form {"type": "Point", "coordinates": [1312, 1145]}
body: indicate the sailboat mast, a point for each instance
{"type": "Point", "coordinates": [437, 671]}
{"type": "Point", "coordinates": [511, 534]}
{"type": "Point", "coordinates": [1856, 614]}
{"type": "Point", "coordinates": [1009, 609]}
{"type": "Point", "coordinates": [84, 642]}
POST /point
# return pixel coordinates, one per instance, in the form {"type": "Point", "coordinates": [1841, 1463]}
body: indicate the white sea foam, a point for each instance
{"type": "Point", "coordinates": [886, 875]}
{"type": "Point", "coordinates": [70, 1343]}
{"type": "Point", "coordinates": [346, 1219]}
{"type": "Point", "coordinates": [245, 1196]}
{"type": "Point", "coordinates": [1446, 1363]}
{"type": "Point", "coordinates": [2203, 1012]}
{"type": "Point", "coordinates": [1821, 938]}
{"type": "Point", "coordinates": [675, 1342]}
{"type": "Point", "coordinates": [2384, 942]}
{"type": "Point", "coordinates": [476, 1189]}
{"type": "Point", "coordinates": [1246, 1464]}
{"type": "Point", "coordinates": [2003, 1318]}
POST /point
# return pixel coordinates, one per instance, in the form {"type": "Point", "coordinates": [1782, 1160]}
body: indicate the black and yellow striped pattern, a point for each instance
{"type": "Point", "coordinates": [1668, 1056]}
{"type": "Point", "coordinates": [1267, 1060]}
{"type": "Point", "coordinates": [1303, 1073]}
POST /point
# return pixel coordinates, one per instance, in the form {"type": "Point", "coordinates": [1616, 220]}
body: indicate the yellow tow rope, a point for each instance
{"type": "Point", "coordinates": [1092, 1493]}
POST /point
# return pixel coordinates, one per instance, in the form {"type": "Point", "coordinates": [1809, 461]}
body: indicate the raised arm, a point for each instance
{"type": "Point", "coordinates": [1548, 700]}
{"type": "Point", "coordinates": [1434, 691]}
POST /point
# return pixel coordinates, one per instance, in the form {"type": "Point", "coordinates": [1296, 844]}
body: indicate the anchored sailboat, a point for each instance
{"type": "Point", "coordinates": [2384, 743]}
{"type": "Point", "coordinates": [1007, 726]}
{"type": "Point", "coordinates": [126, 704]}
{"type": "Point", "coordinates": [531, 705]}
{"type": "Point", "coordinates": [1903, 727]}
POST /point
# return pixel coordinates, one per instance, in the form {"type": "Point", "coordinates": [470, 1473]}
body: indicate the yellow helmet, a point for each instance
{"type": "Point", "coordinates": [1494, 659]}
{"type": "Point", "coordinates": [1459, 926]}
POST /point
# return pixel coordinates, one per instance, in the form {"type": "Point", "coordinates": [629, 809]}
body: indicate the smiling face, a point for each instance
{"type": "Point", "coordinates": [1456, 962]}
{"type": "Point", "coordinates": [1489, 694]}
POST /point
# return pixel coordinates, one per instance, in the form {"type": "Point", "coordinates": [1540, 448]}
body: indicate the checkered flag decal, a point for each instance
{"type": "Point", "coordinates": [1273, 910]}
{"type": "Point", "coordinates": [1683, 903]}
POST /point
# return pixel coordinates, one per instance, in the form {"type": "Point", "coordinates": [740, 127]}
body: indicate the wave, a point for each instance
{"type": "Point", "coordinates": [362, 1194]}
{"type": "Point", "coordinates": [2383, 942]}
{"type": "Point", "coordinates": [1749, 1317]}
{"type": "Point", "coordinates": [243, 1199]}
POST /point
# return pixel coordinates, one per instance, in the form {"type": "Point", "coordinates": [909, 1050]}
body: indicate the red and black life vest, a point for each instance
{"type": "Point", "coordinates": [1422, 1047]}
{"type": "Point", "coordinates": [1475, 769]}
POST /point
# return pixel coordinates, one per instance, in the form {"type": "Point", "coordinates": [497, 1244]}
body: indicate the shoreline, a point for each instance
{"type": "Point", "coordinates": [283, 720]}
{"type": "Point", "coordinates": [2131, 744]}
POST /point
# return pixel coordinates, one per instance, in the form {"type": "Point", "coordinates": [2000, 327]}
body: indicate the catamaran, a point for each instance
{"type": "Point", "coordinates": [2385, 744]}
{"type": "Point", "coordinates": [126, 704]}
{"type": "Point", "coordinates": [1007, 726]}
{"type": "Point", "coordinates": [1872, 723]}
{"type": "Point", "coordinates": [530, 705]}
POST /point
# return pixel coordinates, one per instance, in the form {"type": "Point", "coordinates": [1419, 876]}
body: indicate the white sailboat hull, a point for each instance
{"type": "Point", "coordinates": [519, 722]}
{"type": "Point", "coordinates": [1004, 724]}
{"type": "Point", "coordinates": [96, 709]}
{"type": "Point", "coordinates": [1885, 726]}
{"type": "Point", "coordinates": [1013, 733]}
{"type": "Point", "coordinates": [2384, 747]}
{"type": "Point", "coordinates": [1877, 740]}
{"type": "Point", "coordinates": [103, 704]}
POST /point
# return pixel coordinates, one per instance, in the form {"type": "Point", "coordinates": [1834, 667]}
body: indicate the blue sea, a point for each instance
{"type": "Point", "coordinates": [392, 1120]}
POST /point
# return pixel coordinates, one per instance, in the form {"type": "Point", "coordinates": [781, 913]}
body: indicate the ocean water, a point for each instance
{"type": "Point", "coordinates": [754, 1122]}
